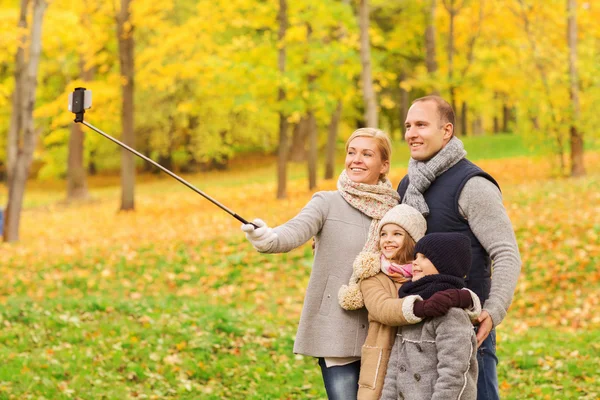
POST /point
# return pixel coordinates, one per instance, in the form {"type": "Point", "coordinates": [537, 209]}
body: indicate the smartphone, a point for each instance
{"type": "Point", "coordinates": [80, 100]}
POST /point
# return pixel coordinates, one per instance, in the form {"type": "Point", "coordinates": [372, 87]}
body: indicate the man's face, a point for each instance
{"type": "Point", "coordinates": [425, 134]}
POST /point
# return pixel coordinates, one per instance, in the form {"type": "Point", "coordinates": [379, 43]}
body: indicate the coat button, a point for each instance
{"type": "Point", "coordinates": [363, 326]}
{"type": "Point", "coordinates": [402, 368]}
{"type": "Point", "coordinates": [417, 377]}
{"type": "Point", "coordinates": [419, 348]}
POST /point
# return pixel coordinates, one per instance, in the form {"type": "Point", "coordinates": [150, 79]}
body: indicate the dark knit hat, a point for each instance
{"type": "Point", "coordinates": [449, 252]}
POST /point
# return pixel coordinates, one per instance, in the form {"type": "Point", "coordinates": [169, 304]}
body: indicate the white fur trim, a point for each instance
{"type": "Point", "coordinates": [408, 309]}
{"type": "Point", "coordinates": [474, 311]}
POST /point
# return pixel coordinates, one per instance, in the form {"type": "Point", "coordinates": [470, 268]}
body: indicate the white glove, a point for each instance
{"type": "Point", "coordinates": [261, 237]}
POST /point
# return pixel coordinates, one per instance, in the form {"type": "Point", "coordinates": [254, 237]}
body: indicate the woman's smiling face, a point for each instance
{"type": "Point", "coordinates": [363, 161]}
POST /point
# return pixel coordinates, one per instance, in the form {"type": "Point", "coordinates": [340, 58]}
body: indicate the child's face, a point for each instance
{"type": "Point", "coordinates": [391, 240]}
{"type": "Point", "coordinates": [422, 267]}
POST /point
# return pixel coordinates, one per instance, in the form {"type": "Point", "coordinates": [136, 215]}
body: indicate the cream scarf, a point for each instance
{"type": "Point", "coordinates": [372, 200]}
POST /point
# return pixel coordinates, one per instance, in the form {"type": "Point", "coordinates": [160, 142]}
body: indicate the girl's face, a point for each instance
{"type": "Point", "coordinates": [391, 240]}
{"type": "Point", "coordinates": [422, 266]}
{"type": "Point", "coordinates": [363, 161]}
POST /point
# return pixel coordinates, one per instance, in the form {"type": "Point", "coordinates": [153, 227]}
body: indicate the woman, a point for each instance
{"type": "Point", "coordinates": [341, 221]}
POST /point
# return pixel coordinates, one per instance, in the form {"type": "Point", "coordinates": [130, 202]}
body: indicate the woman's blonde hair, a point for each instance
{"type": "Point", "coordinates": [382, 140]}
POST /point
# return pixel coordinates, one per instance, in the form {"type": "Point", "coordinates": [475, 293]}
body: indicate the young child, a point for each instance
{"type": "Point", "coordinates": [375, 282]}
{"type": "Point", "coordinates": [435, 359]}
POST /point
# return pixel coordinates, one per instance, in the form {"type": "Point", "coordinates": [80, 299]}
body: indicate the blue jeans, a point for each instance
{"type": "Point", "coordinates": [341, 382]}
{"type": "Point", "coordinates": [487, 383]}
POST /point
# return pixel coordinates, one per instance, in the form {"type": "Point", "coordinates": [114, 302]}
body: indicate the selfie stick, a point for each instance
{"type": "Point", "coordinates": [82, 100]}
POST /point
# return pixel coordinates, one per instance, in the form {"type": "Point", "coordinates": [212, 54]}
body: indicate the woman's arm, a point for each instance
{"type": "Point", "coordinates": [385, 307]}
{"type": "Point", "coordinates": [302, 227]}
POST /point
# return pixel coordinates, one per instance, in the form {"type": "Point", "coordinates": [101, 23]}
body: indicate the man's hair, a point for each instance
{"type": "Point", "coordinates": [444, 109]}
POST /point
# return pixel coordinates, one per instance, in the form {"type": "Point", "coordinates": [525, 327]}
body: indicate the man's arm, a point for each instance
{"type": "Point", "coordinates": [480, 203]}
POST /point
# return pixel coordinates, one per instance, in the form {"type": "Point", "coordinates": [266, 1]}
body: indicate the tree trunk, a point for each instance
{"type": "Point", "coordinates": [506, 117]}
{"type": "Point", "coordinates": [402, 104]}
{"type": "Point", "coordinates": [77, 188]}
{"type": "Point", "coordinates": [12, 140]}
{"type": "Point", "coordinates": [12, 145]}
{"type": "Point", "coordinates": [126, 61]}
{"type": "Point", "coordinates": [331, 140]}
{"type": "Point", "coordinates": [452, 12]}
{"type": "Point", "coordinates": [283, 123]}
{"type": "Point", "coordinates": [430, 53]}
{"type": "Point", "coordinates": [332, 132]}
{"type": "Point", "coordinates": [463, 119]}
{"type": "Point", "coordinates": [496, 128]}
{"type": "Point", "coordinates": [297, 151]}
{"type": "Point", "coordinates": [365, 57]}
{"type": "Point", "coordinates": [312, 150]}
{"type": "Point", "coordinates": [477, 126]}
{"type": "Point", "coordinates": [311, 123]}
{"type": "Point", "coordinates": [576, 137]}
{"type": "Point", "coordinates": [26, 87]}
{"type": "Point", "coordinates": [450, 51]}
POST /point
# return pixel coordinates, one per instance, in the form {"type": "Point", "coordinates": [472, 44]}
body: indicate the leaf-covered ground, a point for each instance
{"type": "Point", "coordinates": [171, 302]}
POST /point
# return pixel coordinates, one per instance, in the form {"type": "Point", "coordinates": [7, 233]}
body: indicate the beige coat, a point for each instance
{"type": "Point", "coordinates": [386, 313]}
{"type": "Point", "coordinates": [325, 328]}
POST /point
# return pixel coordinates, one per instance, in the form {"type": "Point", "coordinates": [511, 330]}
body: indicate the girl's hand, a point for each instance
{"type": "Point", "coordinates": [261, 237]}
{"type": "Point", "coordinates": [441, 302]}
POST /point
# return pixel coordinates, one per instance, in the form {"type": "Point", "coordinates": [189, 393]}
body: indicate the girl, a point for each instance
{"type": "Point", "coordinates": [375, 283]}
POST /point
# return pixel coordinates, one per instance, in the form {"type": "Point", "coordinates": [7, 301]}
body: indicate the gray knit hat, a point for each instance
{"type": "Point", "coordinates": [406, 217]}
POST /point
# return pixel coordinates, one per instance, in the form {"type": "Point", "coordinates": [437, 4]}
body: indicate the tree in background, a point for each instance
{"type": "Point", "coordinates": [209, 76]}
{"type": "Point", "coordinates": [576, 137]}
{"type": "Point", "coordinates": [370, 100]}
{"type": "Point", "coordinates": [336, 116]}
{"type": "Point", "coordinates": [282, 20]}
{"type": "Point", "coordinates": [76, 171]}
{"type": "Point", "coordinates": [430, 41]}
{"type": "Point", "coordinates": [126, 62]}
{"type": "Point", "coordinates": [22, 133]}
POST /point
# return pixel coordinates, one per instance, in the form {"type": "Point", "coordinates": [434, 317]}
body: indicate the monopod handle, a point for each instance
{"type": "Point", "coordinates": [81, 99]}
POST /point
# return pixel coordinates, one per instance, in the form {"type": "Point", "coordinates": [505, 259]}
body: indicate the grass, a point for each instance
{"type": "Point", "coordinates": [172, 302]}
{"type": "Point", "coordinates": [545, 364]}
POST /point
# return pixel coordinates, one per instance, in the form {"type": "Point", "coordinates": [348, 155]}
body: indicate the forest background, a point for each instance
{"type": "Point", "coordinates": [252, 101]}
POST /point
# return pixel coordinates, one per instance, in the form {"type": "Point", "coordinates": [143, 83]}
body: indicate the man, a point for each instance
{"type": "Point", "coordinates": [457, 196]}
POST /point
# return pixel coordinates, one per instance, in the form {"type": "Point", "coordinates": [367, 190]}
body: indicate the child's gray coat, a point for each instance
{"type": "Point", "coordinates": [434, 360]}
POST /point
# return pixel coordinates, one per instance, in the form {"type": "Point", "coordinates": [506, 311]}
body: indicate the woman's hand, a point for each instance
{"type": "Point", "coordinates": [441, 302]}
{"type": "Point", "coordinates": [261, 237]}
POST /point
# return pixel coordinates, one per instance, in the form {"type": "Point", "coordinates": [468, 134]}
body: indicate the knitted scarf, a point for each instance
{"type": "Point", "coordinates": [430, 284]}
{"type": "Point", "coordinates": [422, 173]}
{"type": "Point", "coordinates": [372, 200]}
{"type": "Point", "coordinates": [396, 272]}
